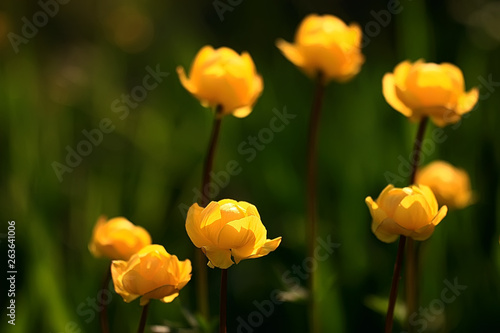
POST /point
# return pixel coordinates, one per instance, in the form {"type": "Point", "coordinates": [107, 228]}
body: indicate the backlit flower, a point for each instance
{"type": "Point", "coordinates": [223, 78]}
{"type": "Point", "coordinates": [228, 230]}
{"type": "Point", "coordinates": [151, 273]}
{"type": "Point", "coordinates": [325, 44]}
{"type": "Point", "coordinates": [117, 238]}
{"type": "Point", "coordinates": [450, 185]}
{"type": "Point", "coordinates": [429, 90]}
{"type": "Point", "coordinates": [411, 211]}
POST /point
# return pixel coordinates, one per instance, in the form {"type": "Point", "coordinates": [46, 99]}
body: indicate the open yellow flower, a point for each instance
{"type": "Point", "coordinates": [410, 211]}
{"type": "Point", "coordinates": [223, 78]}
{"type": "Point", "coordinates": [151, 273]}
{"type": "Point", "coordinates": [427, 89]}
{"type": "Point", "coordinates": [117, 238]}
{"type": "Point", "coordinates": [450, 185]}
{"type": "Point", "coordinates": [228, 229]}
{"type": "Point", "coordinates": [325, 44]}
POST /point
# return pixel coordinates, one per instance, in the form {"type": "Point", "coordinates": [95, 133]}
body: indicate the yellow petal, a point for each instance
{"type": "Point", "coordinates": [455, 74]}
{"type": "Point", "coordinates": [401, 72]}
{"type": "Point", "coordinates": [242, 112]}
{"type": "Point", "coordinates": [250, 210]}
{"type": "Point", "coordinates": [413, 212]}
{"type": "Point", "coordinates": [431, 86]}
{"type": "Point", "coordinates": [429, 197]}
{"type": "Point", "coordinates": [467, 101]}
{"type": "Point", "coordinates": [193, 227]}
{"type": "Point", "coordinates": [205, 56]}
{"type": "Point", "coordinates": [291, 53]}
{"type": "Point", "coordinates": [220, 258]}
{"type": "Point", "coordinates": [163, 293]}
{"type": "Point", "coordinates": [186, 83]}
{"type": "Point", "coordinates": [329, 61]}
{"type": "Point", "coordinates": [390, 198]}
{"type": "Point", "coordinates": [230, 211]}
{"type": "Point", "coordinates": [211, 222]}
{"type": "Point", "coordinates": [440, 215]}
{"type": "Point", "coordinates": [423, 233]}
{"type": "Point", "coordinates": [387, 230]}
{"type": "Point", "coordinates": [269, 246]}
{"type": "Point", "coordinates": [118, 268]}
{"type": "Point", "coordinates": [378, 215]}
{"type": "Point", "coordinates": [389, 92]}
{"type": "Point", "coordinates": [168, 299]}
{"type": "Point", "coordinates": [245, 232]}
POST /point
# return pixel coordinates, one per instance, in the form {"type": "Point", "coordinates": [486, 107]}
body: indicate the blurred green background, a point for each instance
{"type": "Point", "coordinates": [65, 78]}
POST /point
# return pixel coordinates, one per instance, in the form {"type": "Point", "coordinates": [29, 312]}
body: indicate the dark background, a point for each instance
{"type": "Point", "coordinates": [64, 79]}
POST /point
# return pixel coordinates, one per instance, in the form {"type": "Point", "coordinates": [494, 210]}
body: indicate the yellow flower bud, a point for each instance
{"type": "Point", "coordinates": [429, 90]}
{"type": "Point", "coordinates": [326, 44]}
{"type": "Point", "coordinates": [410, 211]}
{"type": "Point", "coordinates": [450, 185]}
{"type": "Point", "coordinates": [223, 78]}
{"type": "Point", "coordinates": [117, 238]}
{"type": "Point", "coordinates": [151, 273]}
{"type": "Point", "coordinates": [228, 229]}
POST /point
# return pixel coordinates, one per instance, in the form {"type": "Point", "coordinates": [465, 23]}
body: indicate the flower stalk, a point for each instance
{"type": "Point", "coordinates": [411, 272]}
{"type": "Point", "coordinates": [394, 286]}
{"type": "Point", "coordinates": [312, 148]}
{"type": "Point", "coordinates": [410, 244]}
{"type": "Point", "coordinates": [144, 316]}
{"type": "Point", "coordinates": [223, 302]}
{"type": "Point", "coordinates": [200, 259]}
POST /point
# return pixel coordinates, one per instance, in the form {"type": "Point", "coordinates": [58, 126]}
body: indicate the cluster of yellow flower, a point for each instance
{"type": "Point", "coordinates": [229, 231]}
{"type": "Point", "coordinates": [223, 230]}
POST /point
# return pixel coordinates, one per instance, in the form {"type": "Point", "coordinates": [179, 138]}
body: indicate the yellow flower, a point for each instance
{"type": "Point", "coordinates": [325, 44]}
{"type": "Point", "coordinates": [228, 229]}
{"type": "Point", "coordinates": [410, 211]}
{"type": "Point", "coordinates": [117, 238]}
{"type": "Point", "coordinates": [450, 185]}
{"type": "Point", "coordinates": [428, 89]}
{"type": "Point", "coordinates": [223, 78]}
{"type": "Point", "coordinates": [151, 273]}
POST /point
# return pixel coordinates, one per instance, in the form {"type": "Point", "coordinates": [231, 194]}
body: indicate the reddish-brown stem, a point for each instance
{"type": "Point", "coordinates": [417, 148]}
{"type": "Point", "coordinates": [411, 270]}
{"type": "Point", "coordinates": [200, 259]}
{"type": "Point", "coordinates": [223, 302]}
{"type": "Point", "coordinates": [394, 286]}
{"type": "Point", "coordinates": [411, 256]}
{"type": "Point", "coordinates": [209, 159]}
{"type": "Point", "coordinates": [144, 316]}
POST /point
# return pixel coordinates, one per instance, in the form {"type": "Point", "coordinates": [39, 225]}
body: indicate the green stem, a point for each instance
{"type": "Point", "coordinates": [394, 286]}
{"type": "Point", "coordinates": [411, 274]}
{"type": "Point", "coordinates": [144, 316]}
{"type": "Point", "coordinates": [103, 315]}
{"type": "Point", "coordinates": [312, 148]}
{"type": "Point", "coordinates": [223, 302]}
{"type": "Point", "coordinates": [200, 259]}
